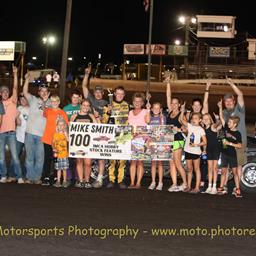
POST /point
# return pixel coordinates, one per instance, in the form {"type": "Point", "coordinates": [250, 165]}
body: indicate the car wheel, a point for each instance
{"type": "Point", "coordinates": [248, 178]}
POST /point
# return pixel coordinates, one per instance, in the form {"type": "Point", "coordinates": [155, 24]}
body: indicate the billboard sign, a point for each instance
{"type": "Point", "coordinates": [219, 52]}
{"type": "Point", "coordinates": [133, 49]}
{"type": "Point", "coordinates": [7, 50]}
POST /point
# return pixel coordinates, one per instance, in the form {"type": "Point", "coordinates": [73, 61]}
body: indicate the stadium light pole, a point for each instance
{"type": "Point", "coordinates": [186, 21]}
{"type": "Point", "coordinates": [49, 40]}
{"type": "Point", "coordinates": [65, 50]}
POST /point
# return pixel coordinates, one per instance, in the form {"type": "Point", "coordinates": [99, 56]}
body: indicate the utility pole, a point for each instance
{"type": "Point", "coordinates": [65, 50]}
{"type": "Point", "coordinates": [149, 44]}
{"type": "Point", "coordinates": [187, 45]}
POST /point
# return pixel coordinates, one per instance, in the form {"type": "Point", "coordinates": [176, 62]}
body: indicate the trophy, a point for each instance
{"type": "Point", "coordinates": [110, 97]}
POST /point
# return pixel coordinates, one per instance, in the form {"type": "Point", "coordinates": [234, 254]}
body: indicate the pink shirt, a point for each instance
{"type": "Point", "coordinates": [8, 121]}
{"type": "Point", "coordinates": [138, 119]}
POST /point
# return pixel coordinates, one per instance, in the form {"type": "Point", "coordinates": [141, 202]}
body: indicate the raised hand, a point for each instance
{"type": "Point", "coordinates": [229, 80]}
{"type": "Point", "coordinates": [88, 70]}
{"type": "Point", "coordinates": [217, 117]}
{"type": "Point", "coordinates": [183, 106]}
{"type": "Point", "coordinates": [14, 69]}
{"type": "Point", "coordinates": [219, 104]}
{"type": "Point", "coordinates": [208, 84]}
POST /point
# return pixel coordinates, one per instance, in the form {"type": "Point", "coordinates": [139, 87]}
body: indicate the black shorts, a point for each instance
{"type": "Point", "coordinates": [213, 153]}
{"type": "Point", "coordinates": [189, 156]}
{"type": "Point", "coordinates": [228, 161]}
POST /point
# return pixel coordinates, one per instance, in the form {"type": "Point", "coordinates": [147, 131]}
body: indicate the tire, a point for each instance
{"type": "Point", "coordinates": [248, 178]}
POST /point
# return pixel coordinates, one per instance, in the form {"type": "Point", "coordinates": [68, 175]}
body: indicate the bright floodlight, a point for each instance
{"type": "Point", "coordinates": [193, 20]}
{"type": "Point", "coordinates": [51, 39]}
{"type": "Point", "coordinates": [70, 58]}
{"type": "Point", "coordinates": [34, 58]}
{"type": "Point", "coordinates": [182, 19]}
{"type": "Point", "coordinates": [177, 42]}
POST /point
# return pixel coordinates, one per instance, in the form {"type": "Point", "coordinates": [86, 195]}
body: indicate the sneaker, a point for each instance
{"type": "Point", "coordinates": [226, 189]}
{"type": "Point", "coordinates": [110, 185]}
{"type": "Point", "coordinates": [97, 184]}
{"type": "Point", "coordinates": [182, 187]}
{"type": "Point", "coordinates": [3, 180]}
{"type": "Point", "coordinates": [65, 184]}
{"type": "Point", "coordinates": [202, 190]}
{"type": "Point", "coordinates": [214, 191]}
{"type": "Point", "coordinates": [87, 185]}
{"type": "Point", "coordinates": [37, 182]}
{"type": "Point", "coordinates": [28, 181]}
{"type": "Point", "coordinates": [173, 188]}
{"type": "Point", "coordinates": [11, 179]}
{"type": "Point", "coordinates": [234, 191]}
{"type": "Point", "coordinates": [46, 182]}
{"type": "Point", "coordinates": [238, 193]}
{"type": "Point", "coordinates": [159, 187]}
{"type": "Point", "coordinates": [79, 184]}
{"type": "Point", "coordinates": [20, 181]}
{"type": "Point", "coordinates": [221, 191]}
{"type": "Point", "coordinates": [208, 190]}
{"type": "Point", "coordinates": [152, 186]}
{"type": "Point", "coordinates": [122, 185]}
{"type": "Point", "coordinates": [57, 184]}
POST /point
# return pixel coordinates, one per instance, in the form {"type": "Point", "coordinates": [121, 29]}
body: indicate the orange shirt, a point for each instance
{"type": "Point", "coordinates": [51, 116]}
{"type": "Point", "coordinates": [60, 144]}
{"type": "Point", "coordinates": [8, 121]}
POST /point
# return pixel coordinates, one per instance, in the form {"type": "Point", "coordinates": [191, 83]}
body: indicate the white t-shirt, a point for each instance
{"type": "Point", "coordinates": [198, 133]}
{"type": "Point", "coordinates": [21, 129]}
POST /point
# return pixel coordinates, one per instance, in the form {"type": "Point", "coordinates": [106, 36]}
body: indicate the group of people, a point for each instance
{"type": "Point", "coordinates": [39, 126]}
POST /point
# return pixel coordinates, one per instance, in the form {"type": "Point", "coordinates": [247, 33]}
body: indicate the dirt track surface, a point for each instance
{"type": "Point", "coordinates": [27, 206]}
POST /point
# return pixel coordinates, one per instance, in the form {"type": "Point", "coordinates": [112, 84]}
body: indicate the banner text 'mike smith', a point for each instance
{"type": "Point", "coordinates": [78, 127]}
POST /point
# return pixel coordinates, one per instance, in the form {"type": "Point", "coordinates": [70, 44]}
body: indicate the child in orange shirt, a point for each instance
{"type": "Point", "coordinates": [52, 115]}
{"type": "Point", "coordinates": [60, 149]}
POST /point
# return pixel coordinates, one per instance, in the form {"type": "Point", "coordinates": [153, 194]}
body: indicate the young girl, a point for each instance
{"type": "Point", "coordinates": [83, 165]}
{"type": "Point", "coordinates": [195, 140]}
{"type": "Point", "coordinates": [174, 118]}
{"type": "Point", "coordinates": [231, 142]}
{"type": "Point", "coordinates": [212, 151]}
{"type": "Point", "coordinates": [137, 117]}
{"type": "Point", "coordinates": [60, 149]}
{"type": "Point", "coordinates": [156, 118]}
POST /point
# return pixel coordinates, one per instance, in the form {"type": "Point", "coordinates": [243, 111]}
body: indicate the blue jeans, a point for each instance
{"type": "Point", "coordinates": [34, 157]}
{"type": "Point", "coordinates": [20, 147]}
{"type": "Point", "coordinates": [9, 138]}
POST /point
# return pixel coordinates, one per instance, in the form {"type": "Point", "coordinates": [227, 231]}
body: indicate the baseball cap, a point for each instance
{"type": "Point", "coordinates": [43, 85]}
{"type": "Point", "coordinates": [98, 88]}
{"type": "Point", "coordinates": [4, 88]}
{"type": "Point", "coordinates": [228, 96]}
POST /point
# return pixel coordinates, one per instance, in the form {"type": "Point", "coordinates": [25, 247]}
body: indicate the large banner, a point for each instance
{"type": "Point", "coordinates": [106, 141]}
{"type": "Point", "coordinates": [152, 142]}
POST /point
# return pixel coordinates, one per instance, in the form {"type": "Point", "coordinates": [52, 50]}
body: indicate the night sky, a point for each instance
{"type": "Point", "coordinates": [104, 26]}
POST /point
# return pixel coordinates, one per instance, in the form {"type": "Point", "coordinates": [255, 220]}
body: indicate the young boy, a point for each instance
{"type": "Point", "coordinates": [60, 149]}
{"type": "Point", "coordinates": [231, 142]}
{"type": "Point", "coordinates": [52, 115]}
